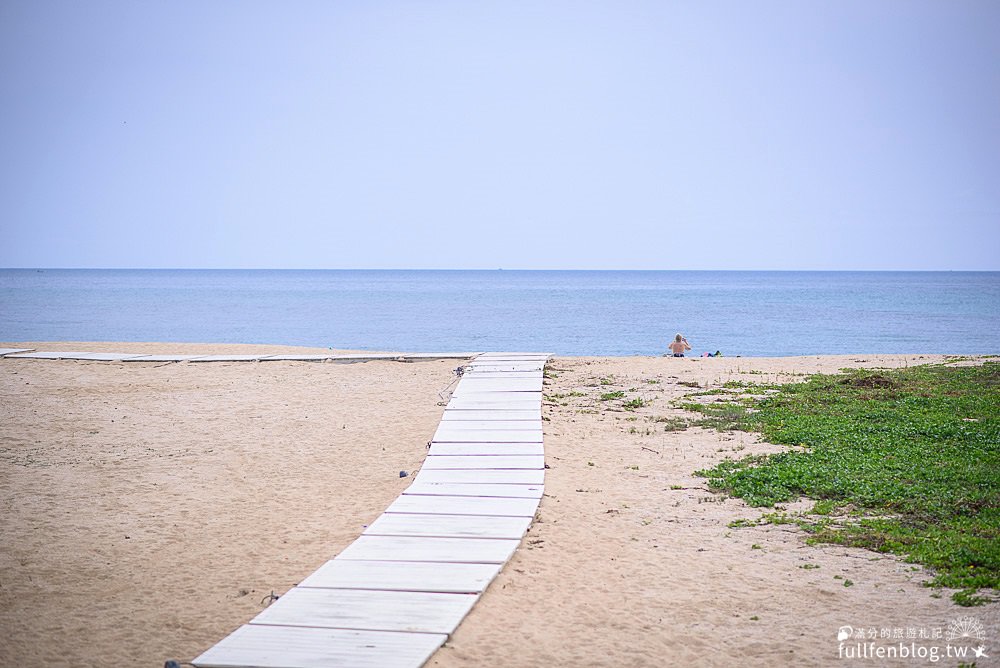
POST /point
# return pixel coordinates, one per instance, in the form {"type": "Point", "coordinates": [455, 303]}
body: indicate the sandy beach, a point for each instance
{"type": "Point", "coordinates": [149, 509]}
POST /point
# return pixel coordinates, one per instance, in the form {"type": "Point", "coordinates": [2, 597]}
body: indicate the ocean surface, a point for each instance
{"type": "Point", "coordinates": [564, 312]}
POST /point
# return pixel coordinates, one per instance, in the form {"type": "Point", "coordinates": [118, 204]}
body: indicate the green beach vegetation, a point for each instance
{"type": "Point", "coordinates": [903, 461]}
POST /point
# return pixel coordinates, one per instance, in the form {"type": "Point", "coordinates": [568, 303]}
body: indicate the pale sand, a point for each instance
{"type": "Point", "coordinates": [147, 509]}
{"type": "Point", "coordinates": [245, 477]}
{"type": "Point", "coordinates": [622, 570]}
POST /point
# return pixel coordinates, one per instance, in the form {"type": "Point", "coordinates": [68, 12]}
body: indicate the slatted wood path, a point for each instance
{"type": "Point", "coordinates": [344, 358]}
{"type": "Point", "coordinates": [392, 597]}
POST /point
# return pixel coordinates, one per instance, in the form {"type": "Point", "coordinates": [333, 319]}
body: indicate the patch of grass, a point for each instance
{"type": "Point", "coordinates": [739, 384]}
{"type": "Point", "coordinates": [824, 507]}
{"type": "Point", "coordinates": [721, 415]}
{"type": "Point", "coordinates": [551, 397]}
{"type": "Point", "coordinates": [967, 598]}
{"type": "Point", "coordinates": [709, 393]}
{"type": "Point", "coordinates": [633, 404]}
{"type": "Point", "coordinates": [670, 423]}
{"type": "Point", "coordinates": [908, 458]}
{"type": "Point", "coordinates": [778, 518]}
{"type": "Point", "coordinates": [609, 396]}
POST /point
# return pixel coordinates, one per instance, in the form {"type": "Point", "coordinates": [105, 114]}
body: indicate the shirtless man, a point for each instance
{"type": "Point", "coordinates": [678, 346]}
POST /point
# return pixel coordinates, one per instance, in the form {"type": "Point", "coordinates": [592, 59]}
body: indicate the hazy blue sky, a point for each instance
{"type": "Point", "coordinates": [650, 135]}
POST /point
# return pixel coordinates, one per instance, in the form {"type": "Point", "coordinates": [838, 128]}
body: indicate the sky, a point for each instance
{"type": "Point", "coordinates": [727, 134]}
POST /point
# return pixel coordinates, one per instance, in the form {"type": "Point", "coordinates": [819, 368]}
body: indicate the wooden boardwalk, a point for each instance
{"type": "Point", "coordinates": [394, 595]}
{"type": "Point", "coordinates": [343, 358]}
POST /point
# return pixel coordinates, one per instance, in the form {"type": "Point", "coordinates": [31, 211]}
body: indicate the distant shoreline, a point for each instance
{"type": "Point", "coordinates": [182, 348]}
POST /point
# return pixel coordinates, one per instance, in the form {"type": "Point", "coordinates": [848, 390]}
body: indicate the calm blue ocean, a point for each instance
{"type": "Point", "coordinates": [565, 312]}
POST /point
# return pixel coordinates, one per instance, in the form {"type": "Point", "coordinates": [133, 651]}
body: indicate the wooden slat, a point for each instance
{"type": "Point", "coordinates": [457, 434]}
{"type": "Point", "coordinates": [368, 610]}
{"type": "Point", "coordinates": [504, 425]}
{"type": "Point", "coordinates": [463, 505]}
{"type": "Point", "coordinates": [481, 372]}
{"type": "Point", "coordinates": [509, 396]}
{"type": "Point", "coordinates": [227, 358]}
{"type": "Point", "coordinates": [294, 358]}
{"type": "Point", "coordinates": [14, 351]}
{"type": "Point", "coordinates": [501, 477]}
{"type": "Point", "coordinates": [437, 356]}
{"type": "Point", "coordinates": [507, 363]}
{"type": "Point", "coordinates": [446, 550]}
{"type": "Point", "coordinates": [517, 364]}
{"type": "Point", "coordinates": [503, 382]}
{"type": "Point", "coordinates": [486, 449]}
{"type": "Point", "coordinates": [364, 357]}
{"type": "Point", "coordinates": [481, 402]}
{"type": "Point", "coordinates": [474, 489]}
{"type": "Point", "coordinates": [472, 385]}
{"type": "Point", "coordinates": [44, 355]}
{"type": "Point", "coordinates": [102, 357]}
{"type": "Point", "coordinates": [260, 646]}
{"type": "Point", "coordinates": [403, 576]}
{"type": "Point", "coordinates": [485, 415]}
{"type": "Point", "coordinates": [488, 370]}
{"type": "Point", "coordinates": [514, 355]}
{"type": "Point", "coordinates": [511, 431]}
{"type": "Point", "coordinates": [448, 526]}
{"type": "Point", "coordinates": [495, 462]}
{"type": "Point", "coordinates": [161, 358]}
{"type": "Point", "coordinates": [500, 361]}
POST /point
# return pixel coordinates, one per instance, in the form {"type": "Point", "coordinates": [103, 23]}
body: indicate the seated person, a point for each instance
{"type": "Point", "coordinates": [678, 346]}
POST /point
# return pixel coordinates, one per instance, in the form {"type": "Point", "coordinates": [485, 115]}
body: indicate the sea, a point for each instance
{"type": "Point", "coordinates": [618, 313]}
